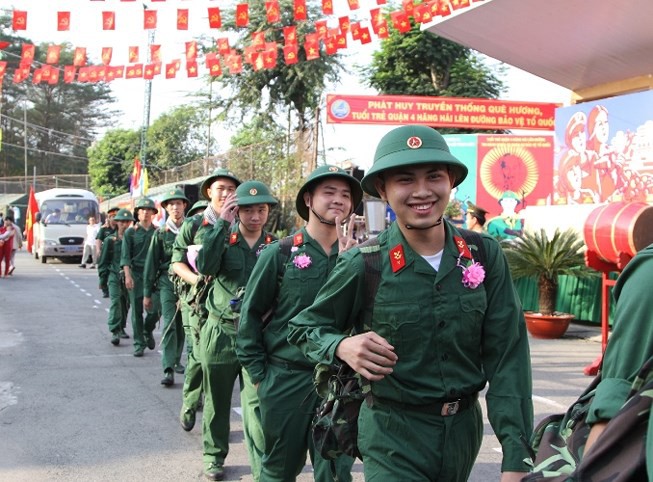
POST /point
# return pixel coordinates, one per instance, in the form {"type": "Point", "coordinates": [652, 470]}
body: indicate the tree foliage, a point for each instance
{"type": "Point", "coordinates": [111, 160]}
{"type": "Point", "coordinates": [420, 63]}
{"type": "Point", "coordinates": [62, 118]}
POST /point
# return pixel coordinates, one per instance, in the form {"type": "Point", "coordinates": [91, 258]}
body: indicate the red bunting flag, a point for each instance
{"type": "Point", "coordinates": [149, 19]}
{"type": "Point", "coordinates": [54, 77]}
{"type": "Point", "coordinates": [311, 47]}
{"type": "Point", "coordinates": [382, 30]}
{"type": "Point", "coordinates": [400, 21]}
{"type": "Point", "coordinates": [19, 21]}
{"type": "Point", "coordinates": [63, 21]}
{"type": "Point", "coordinates": [37, 76]}
{"type": "Point", "coordinates": [355, 30]}
{"type": "Point", "coordinates": [344, 24]}
{"type": "Point", "coordinates": [155, 53]}
{"type": "Point", "coordinates": [30, 219]}
{"type": "Point", "coordinates": [134, 71]}
{"type": "Point", "coordinates": [444, 9]}
{"type": "Point", "coordinates": [69, 73]}
{"type": "Point", "coordinates": [408, 6]}
{"type": "Point", "coordinates": [330, 45]}
{"type": "Point", "coordinates": [107, 53]}
{"type": "Point", "coordinates": [3, 69]}
{"type": "Point", "coordinates": [215, 20]}
{"type": "Point", "coordinates": [353, 4]}
{"type": "Point", "coordinates": [242, 15]}
{"type": "Point", "coordinates": [182, 19]}
{"type": "Point", "coordinates": [235, 63]}
{"type": "Point", "coordinates": [258, 40]}
{"type": "Point", "coordinates": [133, 54]}
{"type": "Point", "coordinates": [272, 12]}
{"type": "Point", "coordinates": [171, 70]}
{"type": "Point", "coordinates": [321, 29]}
{"type": "Point", "coordinates": [27, 53]}
{"type": "Point", "coordinates": [191, 51]}
{"type": "Point", "coordinates": [290, 54]}
{"type": "Point", "coordinates": [290, 35]}
{"type": "Point", "coordinates": [270, 55]}
{"type": "Point", "coordinates": [82, 76]}
{"type": "Point", "coordinates": [191, 69]}
{"type": "Point", "coordinates": [148, 72]}
{"type": "Point", "coordinates": [341, 41]}
{"type": "Point", "coordinates": [223, 46]}
{"type": "Point", "coordinates": [53, 54]}
{"type": "Point", "coordinates": [365, 36]}
{"type": "Point", "coordinates": [79, 57]}
{"type": "Point", "coordinates": [108, 20]}
{"type": "Point", "coordinates": [327, 7]}
{"type": "Point", "coordinates": [299, 9]}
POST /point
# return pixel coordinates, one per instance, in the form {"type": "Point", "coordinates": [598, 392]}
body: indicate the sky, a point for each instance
{"type": "Point", "coordinates": [342, 142]}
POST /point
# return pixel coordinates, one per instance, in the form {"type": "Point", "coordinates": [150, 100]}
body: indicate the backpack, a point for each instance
{"type": "Point", "coordinates": [618, 455]}
{"type": "Point", "coordinates": [335, 425]}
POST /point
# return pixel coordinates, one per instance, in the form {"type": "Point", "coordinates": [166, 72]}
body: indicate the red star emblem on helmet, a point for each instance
{"type": "Point", "coordinates": [414, 142]}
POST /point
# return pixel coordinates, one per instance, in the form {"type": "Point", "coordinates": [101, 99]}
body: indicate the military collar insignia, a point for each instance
{"type": "Point", "coordinates": [397, 258]}
{"type": "Point", "coordinates": [414, 142]}
{"type": "Point", "coordinates": [205, 222]}
{"type": "Point", "coordinates": [463, 249]}
{"type": "Point", "coordinates": [268, 238]}
{"type": "Point", "coordinates": [298, 239]}
{"type": "Point", "coordinates": [233, 239]}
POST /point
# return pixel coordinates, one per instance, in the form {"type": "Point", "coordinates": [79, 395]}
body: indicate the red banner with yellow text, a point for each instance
{"type": "Point", "coordinates": [458, 112]}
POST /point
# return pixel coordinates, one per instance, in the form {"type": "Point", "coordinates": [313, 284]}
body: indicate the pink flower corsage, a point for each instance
{"type": "Point", "coordinates": [302, 261]}
{"type": "Point", "coordinates": [473, 273]}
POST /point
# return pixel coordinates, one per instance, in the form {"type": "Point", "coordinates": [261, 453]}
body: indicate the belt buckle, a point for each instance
{"type": "Point", "coordinates": [450, 408]}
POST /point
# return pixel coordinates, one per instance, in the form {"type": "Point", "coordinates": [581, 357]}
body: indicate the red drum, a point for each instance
{"type": "Point", "coordinates": [619, 227]}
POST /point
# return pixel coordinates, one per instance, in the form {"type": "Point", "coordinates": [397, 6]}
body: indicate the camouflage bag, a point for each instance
{"type": "Point", "coordinates": [619, 454]}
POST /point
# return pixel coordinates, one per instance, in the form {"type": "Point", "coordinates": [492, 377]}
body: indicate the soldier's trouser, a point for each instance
{"type": "Point", "coordinates": [172, 339]}
{"type": "Point", "coordinates": [140, 326]}
{"type": "Point", "coordinates": [119, 303]}
{"type": "Point", "coordinates": [288, 403]}
{"type": "Point", "coordinates": [410, 446]}
{"type": "Point", "coordinates": [220, 370]}
{"type": "Point", "coordinates": [192, 390]}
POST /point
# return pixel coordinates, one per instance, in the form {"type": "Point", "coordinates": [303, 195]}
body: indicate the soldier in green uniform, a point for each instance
{"type": "Point", "coordinates": [508, 224]}
{"type": "Point", "coordinates": [107, 229]}
{"type": "Point", "coordinates": [229, 252]}
{"type": "Point", "coordinates": [442, 326]}
{"type": "Point", "coordinates": [111, 277]}
{"type": "Point", "coordinates": [156, 278]}
{"type": "Point", "coordinates": [193, 287]}
{"type": "Point", "coordinates": [135, 244]}
{"type": "Point", "coordinates": [285, 284]}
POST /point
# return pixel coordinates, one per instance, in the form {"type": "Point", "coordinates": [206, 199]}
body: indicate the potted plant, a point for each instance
{"type": "Point", "coordinates": [535, 255]}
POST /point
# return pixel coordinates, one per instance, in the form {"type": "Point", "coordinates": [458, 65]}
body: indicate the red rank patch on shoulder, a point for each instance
{"type": "Point", "coordinates": [397, 258]}
{"type": "Point", "coordinates": [233, 239]}
{"type": "Point", "coordinates": [298, 239]}
{"type": "Point", "coordinates": [463, 249]}
{"type": "Point", "coordinates": [268, 238]}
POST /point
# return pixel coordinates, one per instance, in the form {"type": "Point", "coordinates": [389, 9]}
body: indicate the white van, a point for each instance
{"type": "Point", "coordinates": [61, 222]}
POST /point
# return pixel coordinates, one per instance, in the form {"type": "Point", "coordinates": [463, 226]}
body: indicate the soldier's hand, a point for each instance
{"type": "Point", "coordinates": [229, 208]}
{"type": "Point", "coordinates": [129, 282]}
{"type": "Point", "coordinates": [147, 303]}
{"type": "Point", "coordinates": [369, 354]}
{"type": "Point", "coordinates": [346, 241]}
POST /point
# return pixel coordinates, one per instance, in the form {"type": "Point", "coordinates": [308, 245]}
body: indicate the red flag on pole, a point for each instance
{"type": "Point", "coordinates": [30, 218]}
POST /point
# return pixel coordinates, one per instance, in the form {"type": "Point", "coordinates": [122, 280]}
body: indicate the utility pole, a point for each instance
{"type": "Point", "coordinates": [25, 139]}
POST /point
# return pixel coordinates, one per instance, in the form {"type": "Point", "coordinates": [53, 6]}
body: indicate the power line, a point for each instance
{"type": "Point", "coordinates": [41, 151]}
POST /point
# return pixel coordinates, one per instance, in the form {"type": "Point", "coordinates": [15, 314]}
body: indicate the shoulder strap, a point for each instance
{"type": "Point", "coordinates": [197, 222]}
{"type": "Point", "coordinates": [285, 245]}
{"type": "Point", "coordinates": [371, 252]}
{"type": "Point", "coordinates": [473, 238]}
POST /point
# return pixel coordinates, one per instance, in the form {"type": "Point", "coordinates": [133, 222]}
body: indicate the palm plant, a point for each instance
{"type": "Point", "coordinates": [535, 255]}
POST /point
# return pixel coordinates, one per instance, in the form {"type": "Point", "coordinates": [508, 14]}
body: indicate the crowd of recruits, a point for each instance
{"type": "Point", "coordinates": [434, 342]}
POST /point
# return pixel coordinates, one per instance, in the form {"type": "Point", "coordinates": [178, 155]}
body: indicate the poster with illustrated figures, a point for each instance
{"type": "Point", "coordinates": [604, 151]}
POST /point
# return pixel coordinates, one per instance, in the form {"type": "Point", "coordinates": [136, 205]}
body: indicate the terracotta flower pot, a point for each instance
{"type": "Point", "coordinates": [547, 326]}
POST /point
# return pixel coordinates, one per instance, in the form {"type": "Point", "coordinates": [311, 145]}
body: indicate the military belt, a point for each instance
{"type": "Point", "coordinates": [281, 363]}
{"type": "Point", "coordinates": [445, 408]}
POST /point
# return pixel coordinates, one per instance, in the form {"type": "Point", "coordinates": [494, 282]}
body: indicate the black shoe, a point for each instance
{"type": "Point", "coordinates": [214, 471]}
{"type": "Point", "coordinates": [139, 352]}
{"type": "Point", "coordinates": [115, 339]}
{"type": "Point", "coordinates": [82, 265]}
{"type": "Point", "coordinates": [179, 368]}
{"type": "Point", "coordinates": [187, 418]}
{"type": "Point", "coordinates": [149, 339]}
{"type": "Point", "coordinates": [123, 334]}
{"type": "Point", "coordinates": [105, 295]}
{"type": "Point", "coordinates": [92, 266]}
{"type": "Point", "coordinates": [168, 378]}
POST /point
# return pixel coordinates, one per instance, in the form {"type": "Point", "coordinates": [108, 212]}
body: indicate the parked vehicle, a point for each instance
{"type": "Point", "coordinates": [61, 222]}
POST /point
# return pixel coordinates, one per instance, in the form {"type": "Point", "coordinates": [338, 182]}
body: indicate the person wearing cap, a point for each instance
{"type": "Point", "coordinates": [135, 244]}
{"type": "Point", "coordinates": [442, 327]}
{"type": "Point", "coordinates": [475, 217]}
{"type": "Point", "coordinates": [197, 208]}
{"type": "Point", "coordinates": [106, 230]}
{"type": "Point", "coordinates": [193, 287]}
{"type": "Point", "coordinates": [507, 225]}
{"type": "Point", "coordinates": [156, 280]}
{"type": "Point", "coordinates": [282, 285]}
{"type": "Point", "coordinates": [111, 276]}
{"type": "Point", "coordinates": [229, 252]}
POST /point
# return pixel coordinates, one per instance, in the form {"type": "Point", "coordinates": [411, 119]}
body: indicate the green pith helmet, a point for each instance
{"type": "Point", "coordinates": [124, 215]}
{"type": "Point", "coordinates": [509, 195]}
{"type": "Point", "coordinates": [206, 184]}
{"type": "Point", "coordinates": [199, 205]}
{"type": "Point", "coordinates": [319, 175]}
{"type": "Point", "coordinates": [145, 203]}
{"type": "Point", "coordinates": [254, 192]}
{"type": "Point", "coordinates": [410, 145]}
{"type": "Point", "coordinates": [113, 210]}
{"type": "Point", "coordinates": [172, 195]}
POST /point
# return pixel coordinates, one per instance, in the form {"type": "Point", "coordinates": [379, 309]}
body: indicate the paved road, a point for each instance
{"type": "Point", "coordinates": [73, 407]}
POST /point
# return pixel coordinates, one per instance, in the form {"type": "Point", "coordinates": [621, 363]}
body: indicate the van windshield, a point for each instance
{"type": "Point", "coordinates": [68, 211]}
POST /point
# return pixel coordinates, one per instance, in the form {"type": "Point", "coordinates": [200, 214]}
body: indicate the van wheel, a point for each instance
{"type": "Point", "coordinates": [44, 260]}
{"type": "Point", "coordinates": [36, 254]}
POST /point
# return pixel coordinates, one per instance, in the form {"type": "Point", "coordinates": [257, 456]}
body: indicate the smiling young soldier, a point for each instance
{"type": "Point", "coordinates": [228, 255]}
{"type": "Point", "coordinates": [442, 326]}
{"type": "Point", "coordinates": [156, 280]}
{"type": "Point", "coordinates": [192, 288]}
{"type": "Point", "coordinates": [284, 284]}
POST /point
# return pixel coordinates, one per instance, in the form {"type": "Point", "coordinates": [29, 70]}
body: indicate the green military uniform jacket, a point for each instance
{"type": "Point", "coordinates": [135, 244]}
{"type": "Point", "coordinates": [450, 340]}
{"type": "Point", "coordinates": [631, 341]}
{"type": "Point", "coordinates": [296, 291]}
{"type": "Point", "coordinates": [110, 259]}
{"type": "Point", "coordinates": [226, 256]}
{"type": "Point", "coordinates": [192, 232]}
{"type": "Point", "coordinates": [104, 232]}
{"type": "Point", "coordinates": [157, 262]}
